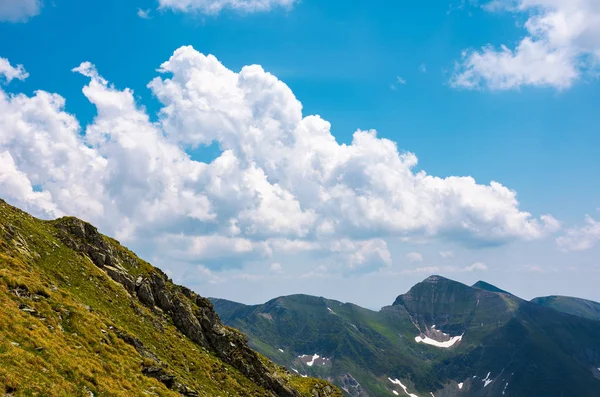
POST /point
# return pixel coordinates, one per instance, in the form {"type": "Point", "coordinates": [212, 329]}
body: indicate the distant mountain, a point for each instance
{"type": "Point", "coordinates": [489, 287]}
{"type": "Point", "coordinates": [575, 306]}
{"type": "Point", "coordinates": [441, 338]}
{"type": "Point", "coordinates": [83, 316]}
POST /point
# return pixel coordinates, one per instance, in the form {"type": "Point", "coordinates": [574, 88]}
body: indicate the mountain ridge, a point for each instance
{"type": "Point", "coordinates": [441, 337]}
{"type": "Point", "coordinates": [567, 304]}
{"type": "Point", "coordinates": [82, 315]}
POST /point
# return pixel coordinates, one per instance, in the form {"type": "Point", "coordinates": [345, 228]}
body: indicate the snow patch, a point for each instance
{"type": "Point", "coordinates": [460, 385]}
{"type": "Point", "coordinates": [331, 311]}
{"type": "Point", "coordinates": [397, 382]}
{"type": "Point", "coordinates": [395, 392]}
{"type": "Point", "coordinates": [505, 386]}
{"type": "Point", "coordinates": [428, 341]}
{"type": "Point", "coordinates": [295, 370]}
{"type": "Point", "coordinates": [311, 362]}
{"type": "Point", "coordinates": [313, 359]}
{"type": "Point", "coordinates": [487, 380]}
{"type": "Point", "coordinates": [281, 350]}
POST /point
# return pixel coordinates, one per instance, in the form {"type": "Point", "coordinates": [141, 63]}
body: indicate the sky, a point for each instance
{"type": "Point", "coordinates": [259, 148]}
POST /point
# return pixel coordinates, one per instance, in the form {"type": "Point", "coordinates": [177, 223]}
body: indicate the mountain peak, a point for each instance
{"type": "Point", "coordinates": [489, 287]}
{"type": "Point", "coordinates": [435, 279]}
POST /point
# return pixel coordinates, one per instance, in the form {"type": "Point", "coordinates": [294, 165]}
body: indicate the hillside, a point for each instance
{"type": "Point", "coordinates": [489, 287]}
{"type": "Point", "coordinates": [84, 316]}
{"type": "Point", "coordinates": [575, 306]}
{"type": "Point", "coordinates": [441, 337]}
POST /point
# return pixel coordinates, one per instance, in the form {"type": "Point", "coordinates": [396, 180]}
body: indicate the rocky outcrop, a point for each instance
{"type": "Point", "coordinates": [192, 314]}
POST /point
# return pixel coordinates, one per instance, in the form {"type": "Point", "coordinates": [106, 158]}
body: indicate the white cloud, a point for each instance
{"type": "Point", "coordinates": [474, 267]}
{"type": "Point", "coordinates": [400, 80]}
{"type": "Point", "coordinates": [282, 184]}
{"type": "Point", "coordinates": [423, 68]}
{"type": "Point", "coordinates": [276, 268]}
{"type": "Point", "coordinates": [581, 238]}
{"type": "Point", "coordinates": [535, 269]}
{"type": "Point", "coordinates": [562, 43]}
{"type": "Point", "coordinates": [143, 13]}
{"type": "Point", "coordinates": [19, 10]}
{"type": "Point", "coordinates": [427, 270]}
{"type": "Point", "coordinates": [9, 73]}
{"type": "Point", "coordinates": [477, 266]}
{"type": "Point", "coordinates": [446, 254]}
{"type": "Point", "coordinates": [207, 275]}
{"type": "Point", "coordinates": [212, 7]}
{"type": "Point", "coordinates": [414, 257]}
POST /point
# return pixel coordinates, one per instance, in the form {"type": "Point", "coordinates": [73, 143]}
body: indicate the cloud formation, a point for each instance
{"type": "Point", "coordinates": [581, 238]}
{"type": "Point", "coordinates": [414, 257]}
{"type": "Point", "coordinates": [8, 72]}
{"type": "Point", "coordinates": [282, 184]}
{"type": "Point", "coordinates": [562, 43]}
{"type": "Point", "coordinates": [213, 7]}
{"type": "Point", "coordinates": [19, 10]}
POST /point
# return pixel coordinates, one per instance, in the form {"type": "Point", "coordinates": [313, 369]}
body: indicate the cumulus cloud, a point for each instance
{"type": "Point", "coordinates": [19, 10]}
{"type": "Point", "coordinates": [581, 238]}
{"type": "Point", "coordinates": [9, 73]}
{"type": "Point", "coordinates": [216, 6]}
{"type": "Point", "coordinates": [414, 257]}
{"type": "Point", "coordinates": [561, 44]}
{"type": "Point", "coordinates": [282, 185]}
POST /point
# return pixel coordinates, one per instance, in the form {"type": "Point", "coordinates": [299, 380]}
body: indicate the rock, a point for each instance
{"type": "Point", "coordinates": [121, 276]}
{"type": "Point", "coordinates": [144, 293]}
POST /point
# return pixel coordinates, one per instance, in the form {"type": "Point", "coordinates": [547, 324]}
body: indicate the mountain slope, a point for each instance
{"type": "Point", "coordinates": [575, 306]}
{"type": "Point", "coordinates": [441, 337]}
{"type": "Point", "coordinates": [82, 315]}
{"type": "Point", "coordinates": [489, 287]}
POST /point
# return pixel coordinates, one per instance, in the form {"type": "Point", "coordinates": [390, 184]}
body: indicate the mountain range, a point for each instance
{"type": "Point", "coordinates": [84, 316]}
{"type": "Point", "coordinates": [442, 338]}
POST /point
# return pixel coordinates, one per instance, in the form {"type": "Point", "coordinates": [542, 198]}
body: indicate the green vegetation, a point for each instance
{"type": "Point", "coordinates": [575, 306]}
{"type": "Point", "coordinates": [75, 321]}
{"type": "Point", "coordinates": [536, 351]}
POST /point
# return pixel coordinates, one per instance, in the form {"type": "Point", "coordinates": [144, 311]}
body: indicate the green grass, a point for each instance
{"type": "Point", "coordinates": [62, 316]}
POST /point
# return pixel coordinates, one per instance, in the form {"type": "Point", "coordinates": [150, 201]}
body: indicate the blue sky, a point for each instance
{"type": "Point", "coordinates": [519, 119]}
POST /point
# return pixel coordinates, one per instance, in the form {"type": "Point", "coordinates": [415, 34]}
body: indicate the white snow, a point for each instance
{"type": "Point", "coordinates": [311, 362]}
{"type": "Point", "coordinates": [331, 311]}
{"type": "Point", "coordinates": [281, 350]}
{"type": "Point", "coordinates": [487, 380]}
{"type": "Point", "coordinates": [397, 382]}
{"type": "Point", "coordinates": [295, 370]}
{"type": "Point", "coordinates": [431, 394]}
{"type": "Point", "coordinates": [433, 327]}
{"type": "Point", "coordinates": [504, 391]}
{"type": "Point", "coordinates": [428, 341]}
{"type": "Point", "coordinates": [395, 392]}
{"type": "Point", "coordinates": [460, 385]}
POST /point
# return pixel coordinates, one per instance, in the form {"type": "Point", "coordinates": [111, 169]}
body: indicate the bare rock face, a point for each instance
{"type": "Point", "coordinates": [192, 314]}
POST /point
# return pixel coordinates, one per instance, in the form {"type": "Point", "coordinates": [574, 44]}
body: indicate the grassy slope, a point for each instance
{"type": "Point", "coordinates": [575, 306]}
{"type": "Point", "coordinates": [62, 316]}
